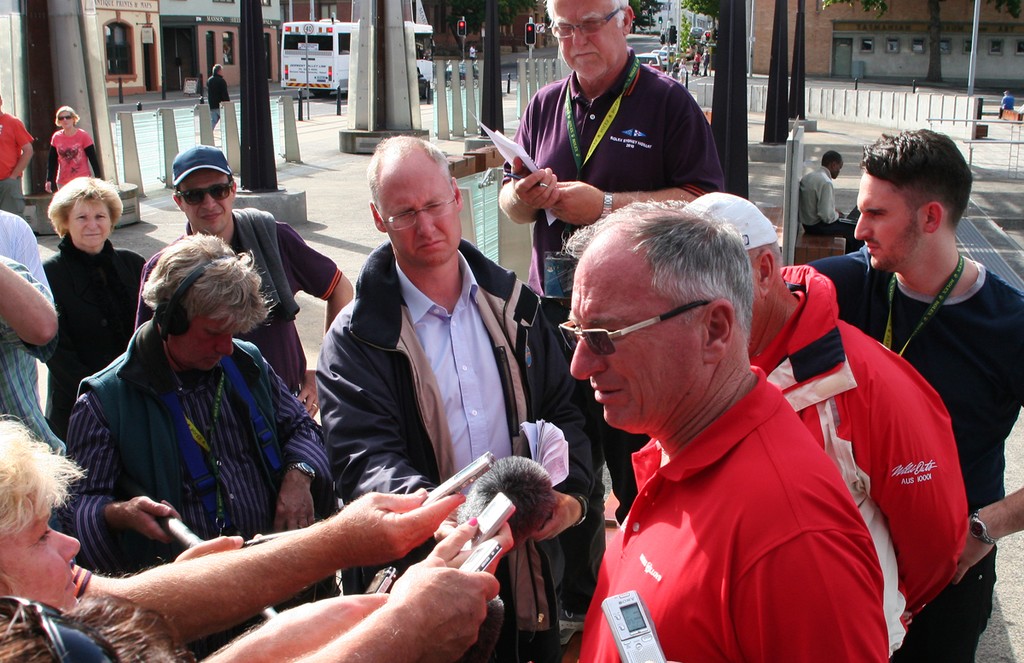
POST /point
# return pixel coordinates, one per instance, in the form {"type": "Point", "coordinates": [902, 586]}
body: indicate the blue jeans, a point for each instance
{"type": "Point", "coordinates": [215, 117]}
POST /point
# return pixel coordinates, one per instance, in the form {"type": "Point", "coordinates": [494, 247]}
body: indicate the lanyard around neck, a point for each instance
{"type": "Point", "coordinates": [929, 313]}
{"type": "Point", "coordinates": [207, 444]}
{"type": "Point", "coordinates": [574, 138]}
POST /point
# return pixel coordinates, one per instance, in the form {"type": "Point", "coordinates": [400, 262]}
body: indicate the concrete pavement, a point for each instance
{"type": "Point", "coordinates": [340, 226]}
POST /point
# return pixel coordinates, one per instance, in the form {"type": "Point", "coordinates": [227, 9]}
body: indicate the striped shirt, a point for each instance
{"type": "Point", "coordinates": [19, 387]}
{"type": "Point", "coordinates": [249, 498]}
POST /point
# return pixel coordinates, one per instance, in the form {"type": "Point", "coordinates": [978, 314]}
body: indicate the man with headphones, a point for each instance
{"type": "Point", "coordinates": [205, 189]}
{"type": "Point", "coordinates": [192, 423]}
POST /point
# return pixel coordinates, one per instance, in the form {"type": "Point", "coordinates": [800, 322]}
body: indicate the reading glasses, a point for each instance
{"type": "Point", "coordinates": [601, 341]}
{"type": "Point", "coordinates": [590, 26]}
{"type": "Point", "coordinates": [408, 219]}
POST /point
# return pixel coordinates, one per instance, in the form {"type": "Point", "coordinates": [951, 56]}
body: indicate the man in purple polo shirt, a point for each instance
{"type": "Point", "coordinates": [612, 133]}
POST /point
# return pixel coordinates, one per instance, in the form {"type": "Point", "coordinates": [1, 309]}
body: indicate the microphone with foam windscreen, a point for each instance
{"type": "Point", "coordinates": [490, 629]}
{"type": "Point", "coordinates": [526, 483]}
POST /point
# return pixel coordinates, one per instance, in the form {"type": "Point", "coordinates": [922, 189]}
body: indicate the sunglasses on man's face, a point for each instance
{"type": "Point", "coordinates": [66, 640]}
{"type": "Point", "coordinates": [601, 341]}
{"type": "Point", "coordinates": [197, 196]}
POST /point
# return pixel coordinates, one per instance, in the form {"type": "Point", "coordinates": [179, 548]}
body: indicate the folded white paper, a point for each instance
{"type": "Point", "coordinates": [548, 447]}
{"type": "Point", "coordinates": [510, 149]}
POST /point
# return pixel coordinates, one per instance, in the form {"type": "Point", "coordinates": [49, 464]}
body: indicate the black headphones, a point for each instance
{"type": "Point", "coordinates": [170, 316]}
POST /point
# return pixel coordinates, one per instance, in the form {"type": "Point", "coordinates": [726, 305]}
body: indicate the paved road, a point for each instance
{"type": "Point", "coordinates": [340, 226]}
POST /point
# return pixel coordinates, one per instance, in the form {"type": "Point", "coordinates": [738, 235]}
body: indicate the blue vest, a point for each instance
{"type": "Point", "coordinates": [142, 428]}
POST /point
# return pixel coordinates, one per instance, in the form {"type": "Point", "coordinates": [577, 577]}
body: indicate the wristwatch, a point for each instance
{"type": "Point", "coordinates": [979, 531]}
{"type": "Point", "coordinates": [305, 468]}
{"type": "Point", "coordinates": [583, 509]}
{"type": "Point", "coordinates": [609, 198]}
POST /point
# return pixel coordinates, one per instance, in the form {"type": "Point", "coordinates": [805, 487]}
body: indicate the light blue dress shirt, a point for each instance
{"type": "Point", "coordinates": [461, 354]}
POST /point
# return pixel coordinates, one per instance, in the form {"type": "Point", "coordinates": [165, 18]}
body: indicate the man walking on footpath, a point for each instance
{"type": "Point", "coordinates": [217, 91]}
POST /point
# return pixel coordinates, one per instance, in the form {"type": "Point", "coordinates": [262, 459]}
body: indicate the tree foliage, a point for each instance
{"type": "Point", "coordinates": [646, 12]}
{"type": "Point", "coordinates": [475, 12]}
{"type": "Point", "coordinates": [706, 7]}
{"type": "Point", "coordinates": [880, 7]}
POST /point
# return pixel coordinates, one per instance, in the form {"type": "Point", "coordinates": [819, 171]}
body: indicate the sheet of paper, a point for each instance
{"type": "Point", "coordinates": [510, 149]}
{"type": "Point", "coordinates": [548, 447]}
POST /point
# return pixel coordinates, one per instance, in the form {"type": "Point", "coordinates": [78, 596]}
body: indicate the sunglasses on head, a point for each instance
{"type": "Point", "coordinates": [601, 341]}
{"type": "Point", "coordinates": [67, 641]}
{"type": "Point", "coordinates": [196, 196]}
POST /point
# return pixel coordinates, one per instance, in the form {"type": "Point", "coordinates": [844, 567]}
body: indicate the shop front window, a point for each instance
{"type": "Point", "coordinates": [119, 51]}
{"type": "Point", "coordinates": [228, 48]}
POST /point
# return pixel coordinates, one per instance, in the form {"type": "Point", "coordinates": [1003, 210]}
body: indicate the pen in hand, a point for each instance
{"type": "Point", "coordinates": [519, 177]}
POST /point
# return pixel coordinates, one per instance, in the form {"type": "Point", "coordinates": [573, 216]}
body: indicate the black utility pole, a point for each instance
{"type": "Point", "coordinates": [729, 104]}
{"type": "Point", "coordinates": [776, 117]}
{"type": "Point", "coordinates": [490, 103]}
{"type": "Point", "coordinates": [259, 172]}
{"type": "Point", "coordinates": [797, 83]}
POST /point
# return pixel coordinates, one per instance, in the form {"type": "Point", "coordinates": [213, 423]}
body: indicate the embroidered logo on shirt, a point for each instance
{"type": "Point", "coordinates": [631, 140]}
{"type": "Point", "coordinates": [649, 568]}
{"type": "Point", "coordinates": [912, 472]}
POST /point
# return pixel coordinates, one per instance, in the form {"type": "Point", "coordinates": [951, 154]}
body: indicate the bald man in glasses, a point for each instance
{"type": "Point", "coordinates": [204, 189]}
{"type": "Point", "coordinates": [743, 542]}
{"type": "Point", "coordinates": [442, 357]}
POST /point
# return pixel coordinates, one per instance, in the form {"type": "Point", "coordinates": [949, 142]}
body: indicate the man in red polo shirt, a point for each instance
{"type": "Point", "coordinates": [15, 153]}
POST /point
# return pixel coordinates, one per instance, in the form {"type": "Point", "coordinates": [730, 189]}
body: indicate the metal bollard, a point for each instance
{"type": "Point", "coordinates": [120, 90]}
{"type": "Point", "coordinates": [300, 104]}
{"type": "Point", "coordinates": [915, 86]}
{"type": "Point", "coordinates": [508, 86]}
{"type": "Point", "coordinates": [138, 106]}
{"type": "Point", "coordinates": [856, 83]}
{"type": "Point", "coordinates": [337, 108]}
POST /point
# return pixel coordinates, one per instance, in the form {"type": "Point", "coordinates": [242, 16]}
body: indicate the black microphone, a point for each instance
{"type": "Point", "coordinates": [481, 650]}
{"type": "Point", "coordinates": [526, 484]}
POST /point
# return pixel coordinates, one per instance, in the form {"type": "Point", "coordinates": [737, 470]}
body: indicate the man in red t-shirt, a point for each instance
{"type": "Point", "coordinates": [15, 153]}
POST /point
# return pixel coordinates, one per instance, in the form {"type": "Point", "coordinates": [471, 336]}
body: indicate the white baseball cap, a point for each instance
{"type": "Point", "coordinates": [743, 215]}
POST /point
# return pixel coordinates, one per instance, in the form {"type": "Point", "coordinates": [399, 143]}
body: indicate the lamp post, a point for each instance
{"type": "Point", "coordinates": [258, 168]}
{"type": "Point", "coordinates": [729, 105]}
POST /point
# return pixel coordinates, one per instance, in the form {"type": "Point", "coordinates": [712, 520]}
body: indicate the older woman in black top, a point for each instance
{"type": "Point", "coordinates": [95, 288]}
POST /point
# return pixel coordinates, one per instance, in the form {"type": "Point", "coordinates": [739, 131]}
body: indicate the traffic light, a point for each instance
{"type": "Point", "coordinates": [707, 36]}
{"type": "Point", "coordinates": [531, 33]}
{"type": "Point", "coordinates": [460, 27]}
{"type": "Point", "coordinates": [672, 34]}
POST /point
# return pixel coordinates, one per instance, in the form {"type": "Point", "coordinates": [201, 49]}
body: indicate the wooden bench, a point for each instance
{"type": "Point", "coordinates": [812, 247]}
{"type": "Point", "coordinates": [808, 247]}
{"type": "Point", "coordinates": [1011, 115]}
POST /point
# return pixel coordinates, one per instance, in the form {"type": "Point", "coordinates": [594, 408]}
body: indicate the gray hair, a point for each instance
{"type": "Point", "coordinates": [616, 4]}
{"type": "Point", "coordinates": [398, 148]}
{"type": "Point", "coordinates": [690, 257]}
{"type": "Point", "coordinates": [228, 290]}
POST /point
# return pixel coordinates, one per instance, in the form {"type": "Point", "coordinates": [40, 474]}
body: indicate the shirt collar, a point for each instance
{"type": "Point", "coordinates": [419, 304]}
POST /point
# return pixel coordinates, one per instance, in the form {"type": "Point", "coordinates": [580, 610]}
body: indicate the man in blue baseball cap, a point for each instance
{"type": "Point", "coordinates": [204, 189]}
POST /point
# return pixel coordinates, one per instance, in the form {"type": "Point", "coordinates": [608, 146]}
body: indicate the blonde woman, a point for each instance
{"type": "Point", "coordinates": [72, 154]}
{"type": "Point", "coordinates": [95, 288]}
